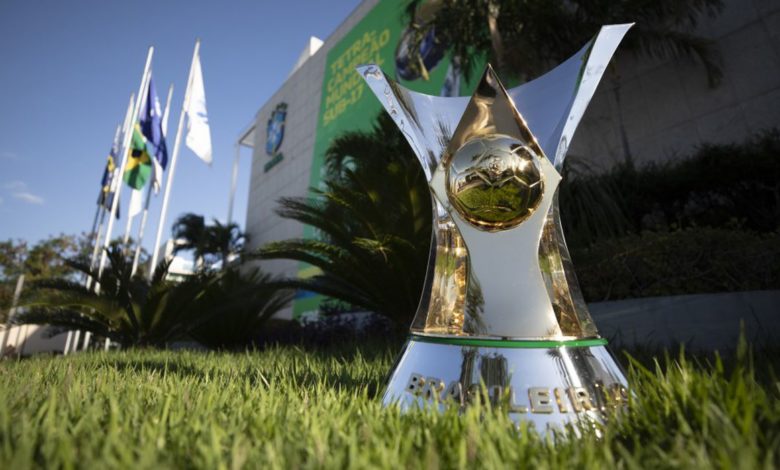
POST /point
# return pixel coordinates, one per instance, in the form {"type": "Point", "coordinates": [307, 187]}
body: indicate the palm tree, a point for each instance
{"type": "Point", "coordinates": [128, 309]}
{"type": "Point", "coordinates": [209, 243]}
{"type": "Point", "coordinates": [189, 231]}
{"type": "Point", "coordinates": [134, 311]}
{"type": "Point", "coordinates": [543, 33]}
{"type": "Point", "coordinates": [374, 223]}
{"type": "Point", "coordinates": [241, 304]}
{"type": "Point", "coordinates": [224, 240]}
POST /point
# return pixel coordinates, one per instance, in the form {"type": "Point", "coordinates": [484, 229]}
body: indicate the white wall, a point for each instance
{"type": "Point", "coordinates": [303, 93]}
{"type": "Point", "coordinates": [32, 339]}
{"type": "Point", "coordinates": [668, 108]}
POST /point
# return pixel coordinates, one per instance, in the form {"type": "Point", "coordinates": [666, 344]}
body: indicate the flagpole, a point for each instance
{"type": "Point", "coordinates": [101, 211]}
{"type": "Point", "coordinates": [96, 244]}
{"type": "Point", "coordinates": [176, 145]}
{"type": "Point", "coordinates": [111, 189]}
{"type": "Point", "coordinates": [155, 167]}
{"type": "Point", "coordinates": [93, 232]}
{"type": "Point", "coordinates": [233, 182]}
{"type": "Point", "coordinates": [128, 226]}
{"type": "Point", "coordinates": [125, 150]}
{"type": "Point", "coordinates": [167, 111]}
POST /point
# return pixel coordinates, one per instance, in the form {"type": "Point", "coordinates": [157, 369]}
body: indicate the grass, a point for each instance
{"type": "Point", "coordinates": [286, 407]}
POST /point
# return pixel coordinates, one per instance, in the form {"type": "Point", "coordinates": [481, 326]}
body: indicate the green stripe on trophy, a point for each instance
{"type": "Point", "coordinates": [510, 343]}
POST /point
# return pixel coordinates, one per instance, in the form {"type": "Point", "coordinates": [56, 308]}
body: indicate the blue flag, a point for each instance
{"type": "Point", "coordinates": [106, 197]}
{"type": "Point", "coordinates": [150, 121]}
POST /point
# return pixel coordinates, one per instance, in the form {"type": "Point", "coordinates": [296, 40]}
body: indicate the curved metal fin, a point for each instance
{"type": "Point", "coordinates": [554, 103]}
{"type": "Point", "coordinates": [426, 121]}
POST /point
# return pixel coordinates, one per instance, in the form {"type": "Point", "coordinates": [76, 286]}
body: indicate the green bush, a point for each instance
{"type": "Point", "coordinates": [684, 261]}
{"type": "Point", "coordinates": [718, 186]}
{"type": "Point", "coordinates": [706, 223]}
{"type": "Point", "coordinates": [221, 309]}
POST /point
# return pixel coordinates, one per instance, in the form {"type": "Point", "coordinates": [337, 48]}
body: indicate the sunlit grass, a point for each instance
{"type": "Point", "coordinates": [286, 407]}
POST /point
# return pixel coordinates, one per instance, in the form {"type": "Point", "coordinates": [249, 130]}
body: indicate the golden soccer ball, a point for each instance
{"type": "Point", "coordinates": [495, 182]}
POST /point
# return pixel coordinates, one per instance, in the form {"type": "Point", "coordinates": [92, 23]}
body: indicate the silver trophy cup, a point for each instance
{"type": "Point", "coordinates": [502, 317]}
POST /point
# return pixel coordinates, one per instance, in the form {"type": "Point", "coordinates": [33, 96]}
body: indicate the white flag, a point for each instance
{"type": "Point", "coordinates": [135, 203]}
{"type": "Point", "coordinates": [198, 134]}
{"type": "Point", "coordinates": [157, 171]}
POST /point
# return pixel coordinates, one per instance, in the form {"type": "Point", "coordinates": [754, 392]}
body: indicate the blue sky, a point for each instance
{"type": "Point", "coordinates": [68, 68]}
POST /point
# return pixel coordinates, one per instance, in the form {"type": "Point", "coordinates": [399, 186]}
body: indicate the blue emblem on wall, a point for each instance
{"type": "Point", "coordinates": [275, 135]}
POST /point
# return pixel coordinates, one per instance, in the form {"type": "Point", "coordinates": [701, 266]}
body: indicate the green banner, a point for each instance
{"type": "Point", "coordinates": [347, 103]}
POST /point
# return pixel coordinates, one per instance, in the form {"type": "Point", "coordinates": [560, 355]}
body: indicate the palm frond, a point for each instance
{"type": "Point", "coordinates": [71, 319]}
{"type": "Point", "coordinates": [373, 219]}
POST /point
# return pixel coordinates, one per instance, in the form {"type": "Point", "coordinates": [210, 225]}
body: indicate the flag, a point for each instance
{"type": "Point", "coordinates": [106, 197]}
{"type": "Point", "coordinates": [148, 147]}
{"type": "Point", "coordinates": [151, 127]}
{"type": "Point", "coordinates": [198, 133]}
{"type": "Point", "coordinates": [139, 164]}
{"type": "Point", "coordinates": [136, 198]}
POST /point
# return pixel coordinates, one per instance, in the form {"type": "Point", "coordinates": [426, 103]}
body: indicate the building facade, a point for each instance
{"type": "Point", "coordinates": [649, 109]}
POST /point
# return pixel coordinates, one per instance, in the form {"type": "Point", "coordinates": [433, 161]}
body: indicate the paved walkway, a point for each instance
{"type": "Point", "coordinates": [702, 321]}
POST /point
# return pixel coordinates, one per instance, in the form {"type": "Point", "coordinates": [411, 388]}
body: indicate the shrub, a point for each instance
{"type": "Point", "coordinates": [718, 186]}
{"type": "Point", "coordinates": [684, 261]}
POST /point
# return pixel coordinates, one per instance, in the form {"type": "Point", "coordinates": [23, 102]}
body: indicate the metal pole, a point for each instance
{"type": "Point", "coordinates": [145, 215]}
{"type": "Point", "coordinates": [93, 232]}
{"type": "Point", "coordinates": [167, 111]}
{"type": "Point", "coordinates": [129, 224]}
{"type": "Point", "coordinates": [234, 181]}
{"type": "Point", "coordinates": [12, 313]}
{"type": "Point", "coordinates": [169, 182]}
{"type": "Point", "coordinates": [95, 249]}
{"type": "Point", "coordinates": [93, 235]}
{"type": "Point", "coordinates": [111, 189]}
{"type": "Point", "coordinates": [125, 148]}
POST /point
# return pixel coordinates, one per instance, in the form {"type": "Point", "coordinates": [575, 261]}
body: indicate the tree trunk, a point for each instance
{"type": "Point", "coordinates": [628, 158]}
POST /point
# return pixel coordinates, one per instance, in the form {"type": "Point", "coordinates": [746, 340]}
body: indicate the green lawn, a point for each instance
{"type": "Point", "coordinates": [287, 408]}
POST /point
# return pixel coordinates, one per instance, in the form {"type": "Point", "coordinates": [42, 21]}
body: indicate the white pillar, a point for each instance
{"type": "Point", "coordinates": [87, 337]}
{"type": "Point", "coordinates": [75, 344]}
{"type": "Point", "coordinates": [68, 341]}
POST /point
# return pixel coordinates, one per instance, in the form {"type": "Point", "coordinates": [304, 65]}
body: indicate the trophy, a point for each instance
{"type": "Point", "coordinates": [501, 316]}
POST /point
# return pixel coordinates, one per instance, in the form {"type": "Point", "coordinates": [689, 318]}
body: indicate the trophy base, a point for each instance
{"type": "Point", "coordinates": [547, 383]}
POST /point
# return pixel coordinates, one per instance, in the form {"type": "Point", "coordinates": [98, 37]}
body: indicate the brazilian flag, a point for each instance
{"type": "Point", "coordinates": [148, 143]}
{"type": "Point", "coordinates": [139, 163]}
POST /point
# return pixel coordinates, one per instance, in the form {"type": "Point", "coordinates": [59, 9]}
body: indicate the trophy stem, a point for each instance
{"type": "Point", "coordinates": [569, 305]}
{"type": "Point", "coordinates": [548, 383]}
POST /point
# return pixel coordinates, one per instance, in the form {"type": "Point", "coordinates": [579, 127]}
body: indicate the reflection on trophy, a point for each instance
{"type": "Point", "coordinates": [502, 317]}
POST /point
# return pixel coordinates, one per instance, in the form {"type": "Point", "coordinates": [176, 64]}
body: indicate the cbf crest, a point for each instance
{"type": "Point", "coordinates": [275, 135]}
